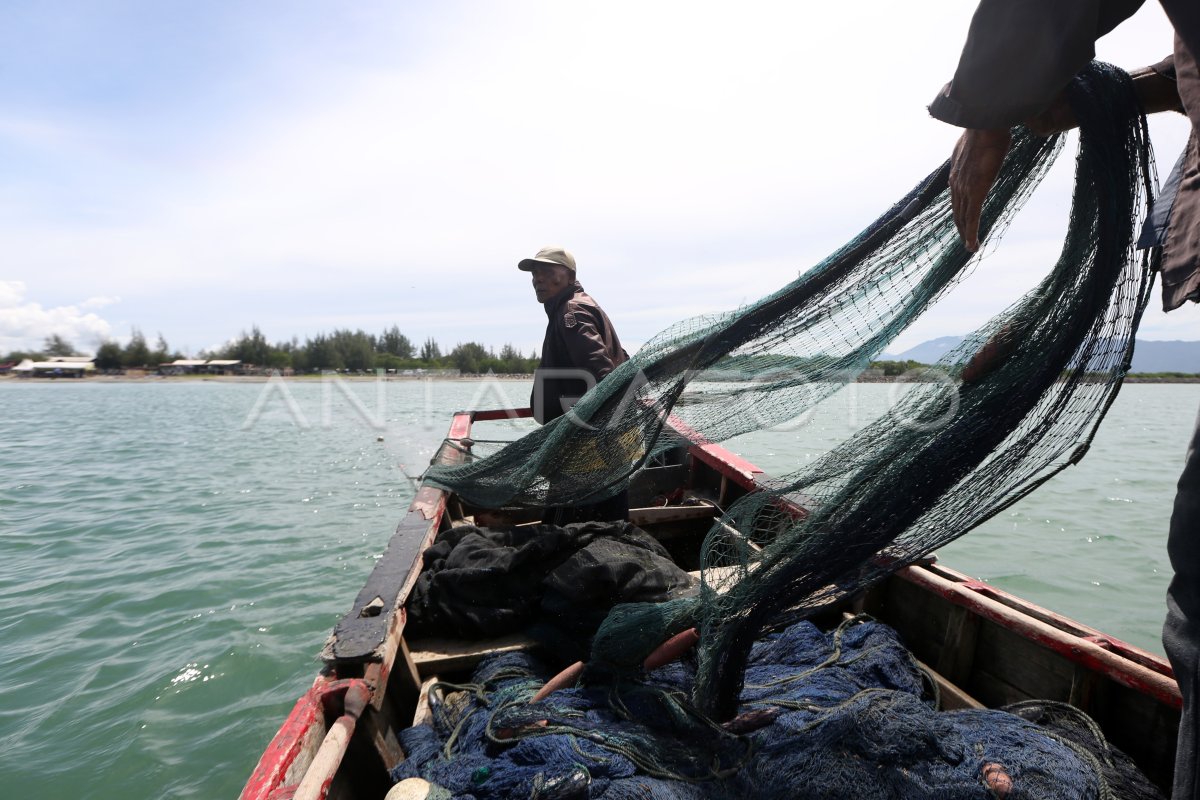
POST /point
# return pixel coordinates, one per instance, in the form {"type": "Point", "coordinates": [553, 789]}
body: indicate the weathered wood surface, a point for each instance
{"type": "Point", "coordinates": [360, 635]}
{"type": "Point", "coordinates": [434, 656]}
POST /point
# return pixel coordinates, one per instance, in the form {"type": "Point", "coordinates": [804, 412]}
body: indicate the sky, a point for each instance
{"type": "Point", "coordinates": [193, 169]}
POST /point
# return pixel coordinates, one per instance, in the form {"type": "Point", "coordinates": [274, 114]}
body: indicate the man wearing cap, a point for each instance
{"type": "Point", "coordinates": [580, 348]}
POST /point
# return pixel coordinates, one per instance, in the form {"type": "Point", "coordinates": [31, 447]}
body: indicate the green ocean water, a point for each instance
{"type": "Point", "coordinates": [172, 555]}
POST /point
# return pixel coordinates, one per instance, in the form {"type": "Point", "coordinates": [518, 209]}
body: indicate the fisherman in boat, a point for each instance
{"type": "Point", "coordinates": [580, 348]}
{"type": "Point", "coordinates": [1003, 79]}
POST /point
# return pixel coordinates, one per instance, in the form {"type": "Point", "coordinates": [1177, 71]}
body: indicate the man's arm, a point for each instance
{"type": "Point", "coordinates": [585, 344]}
{"type": "Point", "coordinates": [979, 153]}
{"type": "Point", "coordinates": [1154, 85]}
{"type": "Point", "coordinates": [1019, 55]}
{"type": "Point", "coordinates": [974, 165]}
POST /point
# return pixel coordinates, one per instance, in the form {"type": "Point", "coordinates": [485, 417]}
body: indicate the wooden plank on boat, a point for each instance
{"type": "Point", "coordinates": [723, 461]}
{"type": "Point", "coordinates": [424, 713]}
{"type": "Point", "coordinates": [658, 514]}
{"type": "Point", "coordinates": [1010, 669]}
{"type": "Point", "coordinates": [1144, 731]}
{"type": "Point", "coordinates": [1051, 633]}
{"type": "Point", "coordinates": [951, 696]}
{"type": "Point", "coordinates": [439, 656]}
{"type": "Point", "coordinates": [958, 645]}
{"type": "Point", "coordinates": [360, 634]}
{"type": "Point", "coordinates": [652, 483]}
{"type": "Point", "coordinates": [380, 731]}
{"type": "Point", "coordinates": [408, 669]}
{"type": "Point", "coordinates": [1089, 691]}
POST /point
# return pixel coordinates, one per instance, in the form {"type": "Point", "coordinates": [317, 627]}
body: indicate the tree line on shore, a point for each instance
{"type": "Point", "coordinates": [360, 351]}
{"type": "Point", "coordinates": [342, 349]}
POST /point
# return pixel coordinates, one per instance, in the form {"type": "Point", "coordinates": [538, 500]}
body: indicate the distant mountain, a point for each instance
{"type": "Point", "coordinates": [926, 352]}
{"type": "Point", "coordinates": [1148, 356]}
{"type": "Point", "coordinates": [1173, 356]}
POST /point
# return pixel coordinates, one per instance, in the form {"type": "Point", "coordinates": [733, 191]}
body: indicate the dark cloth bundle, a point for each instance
{"type": "Point", "coordinates": [555, 582]}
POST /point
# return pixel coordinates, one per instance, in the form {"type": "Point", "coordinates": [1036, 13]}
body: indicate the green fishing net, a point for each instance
{"type": "Point", "coordinates": [1018, 400]}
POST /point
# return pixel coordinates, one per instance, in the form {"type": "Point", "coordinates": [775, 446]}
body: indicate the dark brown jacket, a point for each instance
{"type": "Point", "coordinates": [579, 336]}
{"type": "Point", "coordinates": [1021, 53]}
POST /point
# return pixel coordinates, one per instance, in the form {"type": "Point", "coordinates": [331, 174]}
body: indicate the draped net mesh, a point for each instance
{"type": "Point", "coordinates": [1017, 401]}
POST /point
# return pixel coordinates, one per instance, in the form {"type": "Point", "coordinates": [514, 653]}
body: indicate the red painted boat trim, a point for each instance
{"type": "Point", "coordinates": [430, 502]}
{"type": "Point", "coordinates": [736, 468]}
{"type": "Point", "coordinates": [281, 753]}
{"type": "Point", "coordinates": [1116, 660]}
{"type": "Point", "coordinates": [460, 426]}
{"type": "Point", "coordinates": [345, 699]}
{"type": "Point", "coordinates": [502, 413]}
{"type": "Point", "coordinates": [266, 782]}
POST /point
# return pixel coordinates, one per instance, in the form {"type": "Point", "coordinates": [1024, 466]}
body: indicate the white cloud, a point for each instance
{"type": "Point", "coordinates": [99, 302]}
{"type": "Point", "coordinates": [11, 293]}
{"type": "Point", "coordinates": [693, 157]}
{"type": "Point", "coordinates": [24, 325]}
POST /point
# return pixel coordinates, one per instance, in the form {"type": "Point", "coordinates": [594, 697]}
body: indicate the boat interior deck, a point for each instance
{"type": "Point", "coordinates": [981, 646]}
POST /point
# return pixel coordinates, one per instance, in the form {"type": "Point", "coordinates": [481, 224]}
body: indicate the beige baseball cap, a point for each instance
{"type": "Point", "coordinates": [549, 255]}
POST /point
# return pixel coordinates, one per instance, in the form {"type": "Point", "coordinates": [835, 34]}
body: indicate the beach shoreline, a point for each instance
{"type": "Point", "coordinates": [187, 379]}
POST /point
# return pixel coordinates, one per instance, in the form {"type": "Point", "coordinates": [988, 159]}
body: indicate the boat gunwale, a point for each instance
{"type": "Point", "coordinates": [1139, 670]}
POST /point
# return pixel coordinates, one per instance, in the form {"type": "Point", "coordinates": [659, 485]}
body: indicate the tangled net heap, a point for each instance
{"type": "Point", "coordinates": [1016, 402]}
{"type": "Point", "coordinates": [848, 713]}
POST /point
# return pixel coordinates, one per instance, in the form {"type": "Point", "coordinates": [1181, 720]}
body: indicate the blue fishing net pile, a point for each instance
{"type": "Point", "coordinates": [841, 714]}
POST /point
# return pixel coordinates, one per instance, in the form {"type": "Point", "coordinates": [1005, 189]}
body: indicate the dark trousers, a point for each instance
{"type": "Point", "coordinates": [613, 509]}
{"type": "Point", "coordinates": [1181, 633]}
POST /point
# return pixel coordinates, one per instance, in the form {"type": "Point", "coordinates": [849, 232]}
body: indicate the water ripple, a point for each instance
{"type": "Point", "coordinates": [166, 577]}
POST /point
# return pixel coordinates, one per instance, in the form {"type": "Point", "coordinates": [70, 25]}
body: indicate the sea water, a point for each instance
{"type": "Point", "coordinates": [174, 553]}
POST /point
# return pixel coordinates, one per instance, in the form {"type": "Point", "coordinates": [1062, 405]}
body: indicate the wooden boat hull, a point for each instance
{"type": "Point", "coordinates": [984, 646]}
